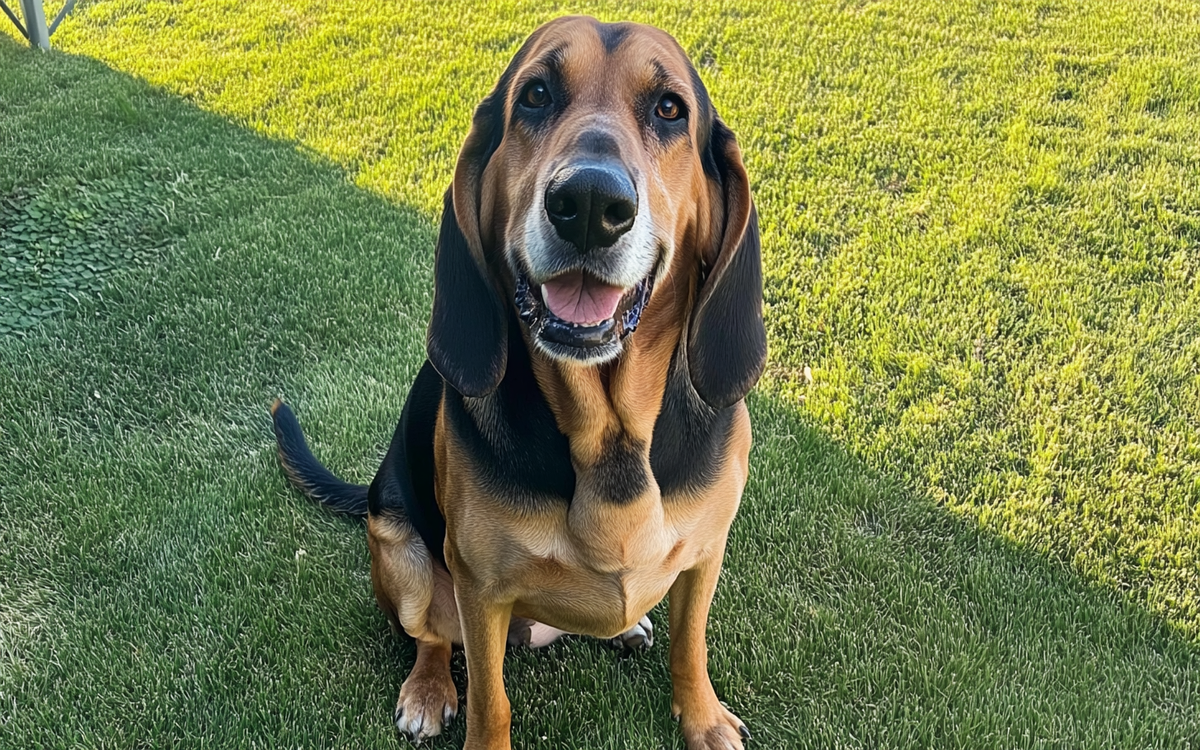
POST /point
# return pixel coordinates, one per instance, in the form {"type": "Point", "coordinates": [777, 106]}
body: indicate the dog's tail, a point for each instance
{"type": "Point", "coordinates": [306, 472]}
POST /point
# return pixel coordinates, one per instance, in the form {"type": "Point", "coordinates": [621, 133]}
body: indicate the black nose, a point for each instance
{"type": "Point", "coordinates": [591, 205]}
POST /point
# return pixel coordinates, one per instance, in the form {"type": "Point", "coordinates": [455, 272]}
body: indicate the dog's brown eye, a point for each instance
{"type": "Point", "coordinates": [535, 95]}
{"type": "Point", "coordinates": [669, 108]}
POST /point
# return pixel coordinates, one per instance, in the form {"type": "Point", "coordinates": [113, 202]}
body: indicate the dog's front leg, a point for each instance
{"type": "Point", "coordinates": [706, 724]}
{"type": "Point", "coordinates": [485, 634]}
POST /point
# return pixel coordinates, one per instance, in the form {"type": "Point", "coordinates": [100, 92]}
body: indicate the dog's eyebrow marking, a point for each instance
{"type": "Point", "coordinates": [555, 58]}
{"type": "Point", "coordinates": [662, 79]}
{"type": "Point", "coordinates": [660, 73]}
{"type": "Point", "coordinates": [548, 65]}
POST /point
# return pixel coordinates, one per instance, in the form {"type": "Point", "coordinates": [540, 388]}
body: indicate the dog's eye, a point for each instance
{"type": "Point", "coordinates": [669, 107]}
{"type": "Point", "coordinates": [535, 95]}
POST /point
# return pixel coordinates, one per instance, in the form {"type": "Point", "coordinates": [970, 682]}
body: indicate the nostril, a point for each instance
{"type": "Point", "coordinates": [619, 212]}
{"type": "Point", "coordinates": [562, 206]}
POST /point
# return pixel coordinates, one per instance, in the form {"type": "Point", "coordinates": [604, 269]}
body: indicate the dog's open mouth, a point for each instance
{"type": "Point", "coordinates": [579, 311]}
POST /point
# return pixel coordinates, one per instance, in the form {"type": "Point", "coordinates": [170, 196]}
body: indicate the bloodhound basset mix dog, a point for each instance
{"type": "Point", "coordinates": [576, 445]}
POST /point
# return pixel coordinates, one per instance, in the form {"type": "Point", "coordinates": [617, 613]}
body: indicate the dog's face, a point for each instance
{"type": "Point", "coordinates": [596, 176]}
{"type": "Point", "coordinates": [595, 169]}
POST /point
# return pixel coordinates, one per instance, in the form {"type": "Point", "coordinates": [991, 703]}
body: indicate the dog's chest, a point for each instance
{"type": "Point", "coordinates": [593, 566]}
{"type": "Point", "coordinates": [588, 549]}
{"type": "Point", "coordinates": [571, 575]}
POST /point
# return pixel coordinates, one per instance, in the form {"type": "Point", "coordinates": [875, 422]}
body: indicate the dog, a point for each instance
{"type": "Point", "coordinates": [576, 445]}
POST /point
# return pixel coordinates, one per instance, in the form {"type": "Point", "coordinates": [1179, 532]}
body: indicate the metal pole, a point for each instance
{"type": "Point", "coordinates": [13, 17]}
{"type": "Point", "coordinates": [61, 15]}
{"type": "Point", "coordinates": [35, 23]}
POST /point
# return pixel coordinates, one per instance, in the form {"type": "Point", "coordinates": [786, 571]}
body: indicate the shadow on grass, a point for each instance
{"type": "Point", "coordinates": [159, 584]}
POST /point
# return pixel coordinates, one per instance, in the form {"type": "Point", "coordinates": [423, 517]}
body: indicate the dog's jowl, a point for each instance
{"type": "Point", "coordinates": [576, 445]}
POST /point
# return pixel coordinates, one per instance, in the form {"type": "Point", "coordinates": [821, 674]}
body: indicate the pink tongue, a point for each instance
{"type": "Point", "coordinates": [578, 298]}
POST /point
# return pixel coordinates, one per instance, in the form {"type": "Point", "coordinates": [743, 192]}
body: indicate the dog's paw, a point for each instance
{"type": "Point", "coordinates": [425, 707]}
{"type": "Point", "coordinates": [711, 727]}
{"type": "Point", "coordinates": [638, 638]}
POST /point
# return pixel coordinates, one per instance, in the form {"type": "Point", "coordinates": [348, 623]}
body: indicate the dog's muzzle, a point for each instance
{"type": "Point", "coordinates": [576, 294]}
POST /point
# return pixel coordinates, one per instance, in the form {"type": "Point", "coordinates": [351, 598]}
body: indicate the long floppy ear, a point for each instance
{"type": "Point", "coordinates": [467, 341]}
{"type": "Point", "coordinates": [727, 343]}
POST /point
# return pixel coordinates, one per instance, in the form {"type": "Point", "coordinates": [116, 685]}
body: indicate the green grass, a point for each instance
{"type": "Point", "coordinates": [977, 526]}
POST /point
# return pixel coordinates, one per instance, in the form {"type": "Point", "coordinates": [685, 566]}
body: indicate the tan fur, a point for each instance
{"type": "Point", "coordinates": [594, 567]}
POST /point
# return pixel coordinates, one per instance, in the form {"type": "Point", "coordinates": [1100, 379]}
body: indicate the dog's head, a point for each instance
{"type": "Point", "coordinates": [594, 170]}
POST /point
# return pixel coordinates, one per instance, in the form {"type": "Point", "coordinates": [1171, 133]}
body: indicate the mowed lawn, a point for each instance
{"type": "Point", "coordinates": [973, 518]}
